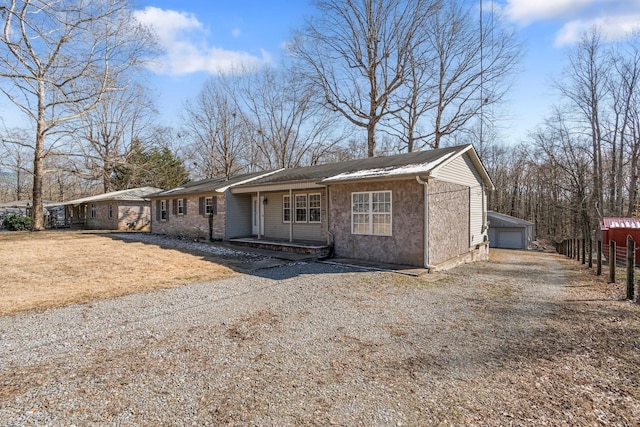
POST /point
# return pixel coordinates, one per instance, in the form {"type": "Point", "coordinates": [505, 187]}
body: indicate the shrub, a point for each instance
{"type": "Point", "coordinates": [16, 222]}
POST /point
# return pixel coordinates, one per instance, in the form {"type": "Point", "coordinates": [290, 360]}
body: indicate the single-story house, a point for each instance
{"type": "Point", "coordinates": [425, 209]}
{"type": "Point", "coordinates": [118, 210]}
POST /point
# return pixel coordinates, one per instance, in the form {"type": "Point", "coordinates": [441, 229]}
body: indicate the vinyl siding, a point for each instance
{"type": "Point", "coordinates": [275, 228]}
{"type": "Point", "coordinates": [461, 170]}
{"type": "Point", "coordinates": [238, 215]}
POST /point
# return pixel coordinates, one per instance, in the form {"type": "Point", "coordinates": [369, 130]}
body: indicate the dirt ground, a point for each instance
{"type": "Point", "coordinates": [526, 339]}
{"type": "Point", "coordinates": [58, 268]}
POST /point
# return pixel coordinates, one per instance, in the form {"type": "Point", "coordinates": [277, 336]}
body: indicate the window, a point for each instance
{"type": "Point", "coordinates": [207, 206]}
{"type": "Point", "coordinates": [163, 210]}
{"type": "Point", "coordinates": [110, 210]}
{"type": "Point", "coordinates": [371, 213]}
{"type": "Point", "coordinates": [179, 207]}
{"type": "Point", "coordinates": [93, 210]}
{"type": "Point", "coordinates": [314, 207]}
{"type": "Point", "coordinates": [286, 209]}
{"type": "Point", "coordinates": [301, 208]}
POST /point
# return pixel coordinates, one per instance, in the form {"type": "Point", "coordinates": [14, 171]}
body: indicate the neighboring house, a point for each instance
{"type": "Point", "coordinates": [117, 210]}
{"type": "Point", "coordinates": [509, 232]}
{"type": "Point", "coordinates": [424, 209]}
{"type": "Point", "coordinates": [23, 207]}
{"type": "Point", "coordinates": [617, 230]}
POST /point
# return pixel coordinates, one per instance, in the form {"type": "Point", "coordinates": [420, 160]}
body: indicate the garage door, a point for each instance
{"type": "Point", "coordinates": [510, 239]}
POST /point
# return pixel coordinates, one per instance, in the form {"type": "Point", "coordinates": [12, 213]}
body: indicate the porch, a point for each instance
{"type": "Point", "coordinates": [316, 249]}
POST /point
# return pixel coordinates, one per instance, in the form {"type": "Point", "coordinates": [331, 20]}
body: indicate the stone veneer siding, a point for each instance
{"type": "Point", "coordinates": [404, 246]}
{"type": "Point", "coordinates": [123, 214]}
{"type": "Point", "coordinates": [448, 221]}
{"type": "Point", "coordinates": [191, 224]}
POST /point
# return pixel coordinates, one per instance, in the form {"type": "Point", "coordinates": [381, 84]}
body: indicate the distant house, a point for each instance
{"type": "Point", "coordinates": [509, 232]}
{"type": "Point", "coordinates": [117, 210]}
{"type": "Point", "coordinates": [424, 209]}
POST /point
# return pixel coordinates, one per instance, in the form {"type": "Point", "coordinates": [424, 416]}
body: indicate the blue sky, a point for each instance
{"type": "Point", "coordinates": [208, 37]}
{"type": "Point", "coordinates": [205, 37]}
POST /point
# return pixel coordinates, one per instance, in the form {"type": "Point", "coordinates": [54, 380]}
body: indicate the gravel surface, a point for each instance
{"type": "Point", "coordinates": [507, 342]}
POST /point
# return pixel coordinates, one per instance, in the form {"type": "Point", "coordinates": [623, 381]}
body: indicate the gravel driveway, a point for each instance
{"type": "Point", "coordinates": [514, 341]}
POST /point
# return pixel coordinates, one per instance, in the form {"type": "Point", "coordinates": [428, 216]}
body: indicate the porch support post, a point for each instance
{"type": "Point", "coordinates": [291, 211]}
{"type": "Point", "coordinates": [259, 213]}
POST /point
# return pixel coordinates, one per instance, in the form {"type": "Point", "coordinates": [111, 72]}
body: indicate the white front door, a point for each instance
{"type": "Point", "coordinates": [257, 215]}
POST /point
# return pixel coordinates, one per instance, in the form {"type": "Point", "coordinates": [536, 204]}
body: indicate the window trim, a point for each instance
{"type": "Point", "coordinates": [305, 208]}
{"type": "Point", "coordinates": [285, 209]}
{"type": "Point", "coordinates": [208, 207]}
{"type": "Point", "coordinates": [164, 213]}
{"type": "Point", "coordinates": [180, 207]}
{"type": "Point", "coordinates": [370, 213]}
{"type": "Point", "coordinates": [93, 210]}
{"type": "Point", "coordinates": [319, 208]}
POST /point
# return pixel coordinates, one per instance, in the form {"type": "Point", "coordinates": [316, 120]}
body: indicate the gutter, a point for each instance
{"type": "Point", "coordinates": [425, 183]}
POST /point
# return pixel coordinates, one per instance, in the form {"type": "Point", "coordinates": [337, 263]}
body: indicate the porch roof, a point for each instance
{"type": "Point", "coordinates": [131, 195]}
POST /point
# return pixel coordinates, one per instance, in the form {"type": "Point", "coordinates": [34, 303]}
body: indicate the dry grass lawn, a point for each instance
{"type": "Point", "coordinates": [57, 268]}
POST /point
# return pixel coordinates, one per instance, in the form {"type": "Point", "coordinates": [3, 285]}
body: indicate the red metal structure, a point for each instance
{"type": "Point", "coordinates": [617, 229]}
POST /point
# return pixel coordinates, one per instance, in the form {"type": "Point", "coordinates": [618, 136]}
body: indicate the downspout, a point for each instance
{"type": "Point", "coordinates": [425, 184]}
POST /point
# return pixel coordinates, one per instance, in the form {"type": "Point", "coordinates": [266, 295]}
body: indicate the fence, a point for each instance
{"type": "Point", "coordinates": [616, 255]}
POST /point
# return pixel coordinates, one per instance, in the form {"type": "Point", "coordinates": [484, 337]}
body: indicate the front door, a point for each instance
{"type": "Point", "coordinates": [257, 216]}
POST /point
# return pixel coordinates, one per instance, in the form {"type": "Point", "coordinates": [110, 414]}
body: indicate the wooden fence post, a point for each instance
{"type": "Point", "coordinates": [631, 250]}
{"type": "Point", "coordinates": [612, 261]}
{"type": "Point", "coordinates": [599, 258]}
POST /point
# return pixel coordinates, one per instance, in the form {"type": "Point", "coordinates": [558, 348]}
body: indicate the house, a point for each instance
{"type": "Point", "coordinates": [118, 210]}
{"type": "Point", "coordinates": [200, 209]}
{"type": "Point", "coordinates": [425, 209]}
{"type": "Point", "coordinates": [617, 230]}
{"type": "Point", "coordinates": [509, 232]}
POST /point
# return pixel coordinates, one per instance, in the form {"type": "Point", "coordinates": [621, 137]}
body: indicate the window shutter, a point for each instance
{"type": "Point", "coordinates": [167, 207]}
{"type": "Point", "coordinates": [175, 206]}
{"type": "Point", "coordinates": [184, 206]}
{"type": "Point", "coordinates": [214, 203]}
{"type": "Point", "coordinates": [157, 210]}
{"type": "Point", "coordinates": [201, 206]}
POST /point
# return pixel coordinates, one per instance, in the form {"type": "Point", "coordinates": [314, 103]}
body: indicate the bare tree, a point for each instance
{"type": "Point", "coordinates": [217, 129]}
{"type": "Point", "coordinates": [462, 66]}
{"type": "Point", "coordinates": [586, 89]}
{"type": "Point", "coordinates": [286, 126]}
{"type": "Point", "coordinates": [105, 134]}
{"type": "Point", "coordinates": [14, 160]}
{"type": "Point", "coordinates": [357, 53]}
{"type": "Point", "coordinates": [58, 59]}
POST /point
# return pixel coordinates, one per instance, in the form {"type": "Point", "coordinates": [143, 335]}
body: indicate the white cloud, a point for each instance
{"type": "Point", "coordinates": [236, 32]}
{"type": "Point", "coordinates": [612, 27]}
{"type": "Point", "coordinates": [527, 11]}
{"type": "Point", "coordinates": [186, 47]}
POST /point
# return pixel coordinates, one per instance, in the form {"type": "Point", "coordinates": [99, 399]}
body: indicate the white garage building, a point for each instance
{"type": "Point", "coordinates": [509, 232]}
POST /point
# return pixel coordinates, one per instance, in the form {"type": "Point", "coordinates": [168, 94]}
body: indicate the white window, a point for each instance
{"type": "Point", "coordinates": [93, 210]}
{"type": "Point", "coordinates": [301, 208]}
{"type": "Point", "coordinates": [180, 207]}
{"type": "Point", "coordinates": [371, 213]}
{"type": "Point", "coordinates": [286, 209]}
{"type": "Point", "coordinates": [163, 210]}
{"type": "Point", "coordinates": [314, 207]}
{"type": "Point", "coordinates": [208, 205]}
